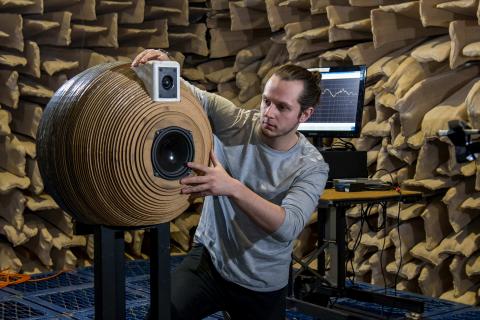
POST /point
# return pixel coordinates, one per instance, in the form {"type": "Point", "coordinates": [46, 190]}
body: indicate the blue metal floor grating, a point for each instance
{"type": "Point", "coordinates": [78, 300]}
{"type": "Point", "coordinates": [66, 279]}
{"type": "Point", "coordinates": [215, 316]}
{"type": "Point", "coordinates": [140, 284]}
{"type": "Point", "coordinates": [432, 306]}
{"type": "Point", "coordinates": [133, 311]}
{"type": "Point", "coordinates": [14, 308]}
{"type": "Point", "coordinates": [465, 314]}
{"type": "Point", "coordinates": [4, 294]}
{"type": "Point", "coordinates": [71, 296]}
{"type": "Point", "coordinates": [293, 315]}
{"type": "Point", "coordinates": [138, 312]}
{"type": "Point", "coordinates": [136, 268]}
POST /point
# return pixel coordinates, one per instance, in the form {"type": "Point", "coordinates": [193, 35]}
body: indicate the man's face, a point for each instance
{"type": "Point", "coordinates": [280, 110]}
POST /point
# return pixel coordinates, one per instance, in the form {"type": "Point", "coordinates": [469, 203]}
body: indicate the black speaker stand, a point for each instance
{"type": "Point", "coordinates": [109, 270]}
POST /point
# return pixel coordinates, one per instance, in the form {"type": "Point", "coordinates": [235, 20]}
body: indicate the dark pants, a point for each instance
{"type": "Point", "coordinates": [198, 291]}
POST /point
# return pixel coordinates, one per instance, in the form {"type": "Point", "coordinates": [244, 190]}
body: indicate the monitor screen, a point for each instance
{"type": "Point", "coordinates": [339, 113]}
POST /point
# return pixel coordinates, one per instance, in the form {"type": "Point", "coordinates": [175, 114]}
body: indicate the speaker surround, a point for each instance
{"type": "Point", "coordinates": [172, 149]}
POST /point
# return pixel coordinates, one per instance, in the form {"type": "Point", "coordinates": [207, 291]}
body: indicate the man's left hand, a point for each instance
{"type": "Point", "coordinates": [211, 180]}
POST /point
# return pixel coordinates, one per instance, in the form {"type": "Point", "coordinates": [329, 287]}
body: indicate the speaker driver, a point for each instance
{"type": "Point", "coordinates": [171, 150]}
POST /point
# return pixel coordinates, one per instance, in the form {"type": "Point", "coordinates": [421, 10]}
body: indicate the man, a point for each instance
{"type": "Point", "coordinates": [263, 184]}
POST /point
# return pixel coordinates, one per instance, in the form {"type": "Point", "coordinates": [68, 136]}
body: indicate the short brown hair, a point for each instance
{"type": "Point", "coordinates": [310, 96]}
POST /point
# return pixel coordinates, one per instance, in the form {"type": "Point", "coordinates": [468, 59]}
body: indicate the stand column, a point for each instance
{"type": "Point", "coordinates": [160, 287]}
{"type": "Point", "coordinates": [109, 271]}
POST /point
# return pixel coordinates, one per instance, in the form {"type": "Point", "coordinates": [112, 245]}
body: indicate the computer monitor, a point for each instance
{"type": "Point", "coordinates": [339, 113]}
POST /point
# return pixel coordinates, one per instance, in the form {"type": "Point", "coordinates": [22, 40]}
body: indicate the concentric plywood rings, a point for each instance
{"type": "Point", "coordinates": [99, 150]}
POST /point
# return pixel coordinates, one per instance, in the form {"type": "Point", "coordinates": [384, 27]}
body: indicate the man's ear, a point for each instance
{"type": "Point", "coordinates": [305, 114]}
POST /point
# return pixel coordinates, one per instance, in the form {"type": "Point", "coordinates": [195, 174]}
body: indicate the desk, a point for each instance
{"type": "Point", "coordinates": [332, 208]}
{"type": "Point", "coordinates": [331, 236]}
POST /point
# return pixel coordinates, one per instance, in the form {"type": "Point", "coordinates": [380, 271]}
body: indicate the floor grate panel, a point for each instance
{"type": "Point", "coordinates": [65, 279]}
{"type": "Point", "coordinates": [465, 314]}
{"type": "Point", "coordinates": [78, 300]}
{"type": "Point", "coordinates": [432, 306]}
{"type": "Point", "coordinates": [136, 268]}
{"type": "Point", "coordinates": [16, 308]}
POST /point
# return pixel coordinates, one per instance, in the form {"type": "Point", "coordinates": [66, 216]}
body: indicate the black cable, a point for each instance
{"type": "Point", "coordinates": [349, 257]}
{"type": "Point", "coordinates": [357, 243]}
{"type": "Point", "coordinates": [348, 252]}
{"type": "Point", "coordinates": [370, 227]}
{"type": "Point", "coordinates": [348, 144]}
{"type": "Point", "coordinates": [400, 249]}
{"type": "Point", "coordinates": [342, 145]}
{"type": "Point", "coordinates": [400, 264]}
{"type": "Point", "coordinates": [389, 173]}
{"type": "Point", "coordinates": [384, 212]}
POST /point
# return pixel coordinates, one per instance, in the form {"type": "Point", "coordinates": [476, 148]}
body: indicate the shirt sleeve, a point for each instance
{"type": "Point", "coordinates": [224, 116]}
{"type": "Point", "coordinates": [301, 201]}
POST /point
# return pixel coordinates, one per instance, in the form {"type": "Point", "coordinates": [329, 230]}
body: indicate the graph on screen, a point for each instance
{"type": "Point", "coordinates": [341, 102]}
{"type": "Point", "coordinates": [338, 102]}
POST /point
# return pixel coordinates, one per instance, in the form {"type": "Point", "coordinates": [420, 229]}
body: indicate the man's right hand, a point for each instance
{"type": "Point", "coordinates": [150, 54]}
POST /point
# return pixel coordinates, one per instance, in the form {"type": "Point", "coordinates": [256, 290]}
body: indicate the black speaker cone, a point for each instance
{"type": "Point", "coordinates": [172, 149]}
{"type": "Point", "coordinates": [167, 82]}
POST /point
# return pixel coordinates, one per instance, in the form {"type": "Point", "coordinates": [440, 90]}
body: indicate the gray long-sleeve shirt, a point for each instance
{"type": "Point", "coordinates": [241, 251]}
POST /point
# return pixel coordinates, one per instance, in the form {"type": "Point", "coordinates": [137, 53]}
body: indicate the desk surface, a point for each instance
{"type": "Point", "coordinates": [330, 196]}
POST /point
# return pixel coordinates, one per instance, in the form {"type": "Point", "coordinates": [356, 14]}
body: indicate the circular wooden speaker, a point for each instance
{"type": "Point", "coordinates": [110, 155]}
